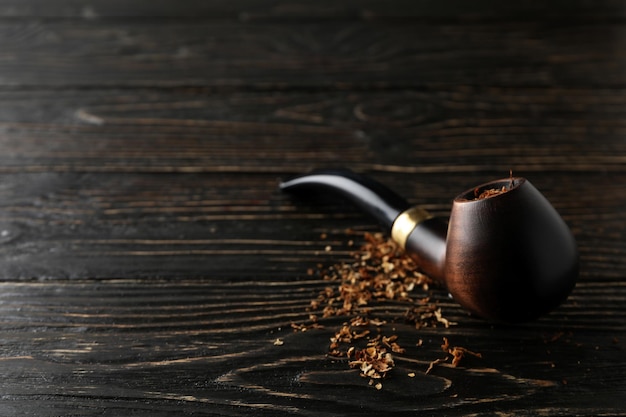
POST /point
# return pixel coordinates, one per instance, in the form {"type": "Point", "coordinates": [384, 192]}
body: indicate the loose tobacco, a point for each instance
{"type": "Point", "coordinates": [380, 272]}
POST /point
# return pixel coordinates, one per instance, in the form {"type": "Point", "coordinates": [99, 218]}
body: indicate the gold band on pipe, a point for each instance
{"type": "Point", "coordinates": [406, 221]}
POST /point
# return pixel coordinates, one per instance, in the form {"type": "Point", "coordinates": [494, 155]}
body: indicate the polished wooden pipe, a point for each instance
{"type": "Point", "coordinates": [507, 257]}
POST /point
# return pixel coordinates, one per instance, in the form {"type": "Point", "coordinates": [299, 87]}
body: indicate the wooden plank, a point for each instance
{"type": "Point", "coordinates": [490, 130]}
{"type": "Point", "coordinates": [308, 55]}
{"type": "Point", "coordinates": [321, 9]}
{"type": "Point", "coordinates": [62, 226]}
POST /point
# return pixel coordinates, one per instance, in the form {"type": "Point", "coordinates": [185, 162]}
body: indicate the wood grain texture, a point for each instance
{"type": "Point", "coordinates": [494, 129]}
{"type": "Point", "coordinates": [148, 262]}
{"type": "Point", "coordinates": [309, 55]}
{"type": "Point", "coordinates": [320, 10]}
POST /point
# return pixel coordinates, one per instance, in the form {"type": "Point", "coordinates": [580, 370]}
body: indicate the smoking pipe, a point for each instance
{"type": "Point", "coordinates": [506, 256]}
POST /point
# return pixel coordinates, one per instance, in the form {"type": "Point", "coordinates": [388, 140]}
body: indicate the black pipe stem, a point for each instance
{"type": "Point", "coordinates": [370, 196]}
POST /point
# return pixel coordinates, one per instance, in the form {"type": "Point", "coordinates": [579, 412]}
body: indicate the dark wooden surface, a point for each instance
{"type": "Point", "coordinates": [148, 261]}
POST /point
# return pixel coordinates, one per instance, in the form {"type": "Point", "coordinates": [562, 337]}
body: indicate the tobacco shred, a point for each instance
{"type": "Point", "coordinates": [454, 354]}
{"type": "Point", "coordinates": [490, 192]}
